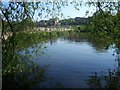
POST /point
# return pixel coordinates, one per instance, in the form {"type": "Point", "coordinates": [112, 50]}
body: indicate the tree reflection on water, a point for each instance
{"type": "Point", "coordinates": [109, 80]}
{"type": "Point", "coordinates": [18, 68]}
{"type": "Point", "coordinates": [19, 71]}
{"type": "Point", "coordinates": [26, 78]}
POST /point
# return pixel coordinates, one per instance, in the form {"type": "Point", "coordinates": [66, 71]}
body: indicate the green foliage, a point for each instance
{"type": "Point", "coordinates": [17, 19]}
{"type": "Point", "coordinates": [104, 22]}
{"type": "Point", "coordinates": [76, 21]}
{"type": "Point", "coordinates": [111, 80]}
{"type": "Point", "coordinates": [22, 74]}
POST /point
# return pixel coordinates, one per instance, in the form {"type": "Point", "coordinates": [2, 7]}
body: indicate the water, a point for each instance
{"type": "Point", "coordinates": [72, 60]}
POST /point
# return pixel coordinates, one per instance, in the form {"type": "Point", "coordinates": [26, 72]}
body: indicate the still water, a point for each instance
{"type": "Point", "coordinates": [72, 60]}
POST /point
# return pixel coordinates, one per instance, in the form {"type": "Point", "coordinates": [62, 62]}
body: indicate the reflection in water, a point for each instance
{"type": "Point", "coordinates": [72, 57]}
{"type": "Point", "coordinates": [18, 71]}
{"type": "Point", "coordinates": [109, 80]}
{"type": "Point", "coordinates": [26, 78]}
{"type": "Point", "coordinates": [101, 44]}
{"type": "Point", "coordinates": [21, 72]}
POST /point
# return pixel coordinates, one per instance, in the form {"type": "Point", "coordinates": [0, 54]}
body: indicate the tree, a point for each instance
{"type": "Point", "coordinates": [103, 19]}
{"type": "Point", "coordinates": [16, 17]}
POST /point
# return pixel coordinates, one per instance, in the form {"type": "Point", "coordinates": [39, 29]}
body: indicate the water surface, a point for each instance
{"type": "Point", "coordinates": [71, 60]}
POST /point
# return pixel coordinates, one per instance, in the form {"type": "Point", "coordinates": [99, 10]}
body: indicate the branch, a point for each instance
{"type": "Point", "coordinates": [6, 17]}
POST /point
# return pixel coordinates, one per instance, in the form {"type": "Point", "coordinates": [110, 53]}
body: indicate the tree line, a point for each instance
{"type": "Point", "coordinates": [69, 21]}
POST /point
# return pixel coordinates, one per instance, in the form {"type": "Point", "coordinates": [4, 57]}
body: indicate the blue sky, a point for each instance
{"type": "Point", "coordinates": [69, 12]}
{"type": "Point", "coordinates": [72, 12]}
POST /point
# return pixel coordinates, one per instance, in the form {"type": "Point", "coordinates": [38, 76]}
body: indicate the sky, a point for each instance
{"type": "Point", "coordinates": [72, 12]}
{"type": "Point", "coordinates": [69, 12]}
